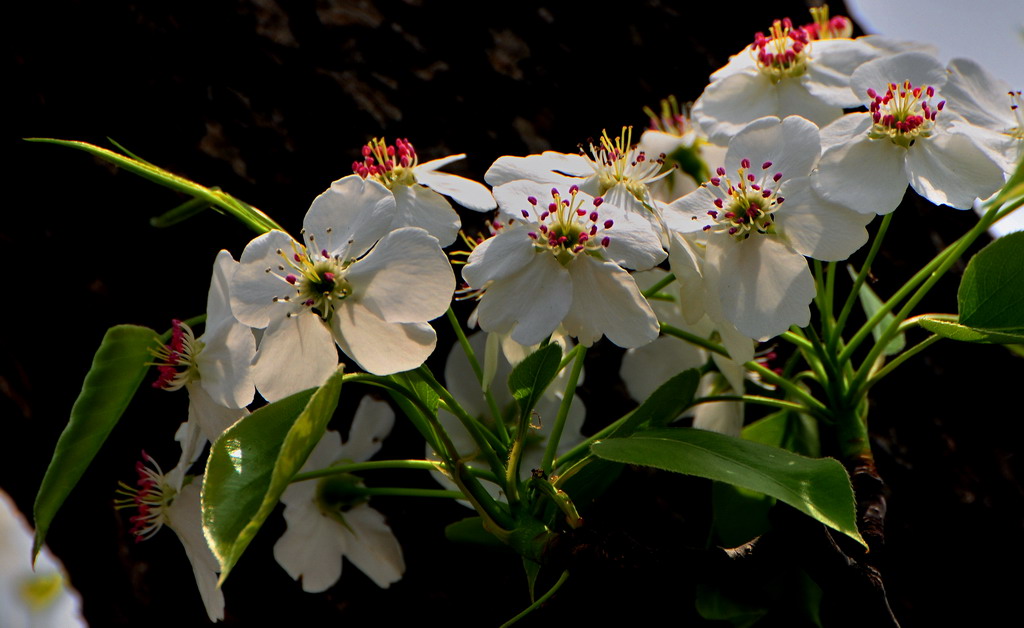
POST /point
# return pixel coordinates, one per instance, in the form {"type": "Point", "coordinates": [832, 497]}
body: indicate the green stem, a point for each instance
{"type": "Point", "coordinates": [935, 270]}
{"type": "Point", "coordinates": [755, 399]}
{"type": "Point", "coordinates": [811, 404]}
{"type": "Point", "coordinates": [929, 274]}
{"type": "Point", "coordinates": [477, 431]}
{"type": "Point", "coordinates": [664, 281]}
{"type": "Point", "coordinates": [903, 357]}
{"type": "Point", "coordinates": [563, 411]}
{"type": "Point", "coordinates": [693, 339]}
{"type": "Point", "coordinates": [407, 492]}
{"type": "Point", "coordinates": [355, 467]}
{"type": "Point", "coordinates": [474, 363]}
{"type": "Point", "coordinates": [865, 270]}
{"type": "Point", "coordinates": [544, 598]}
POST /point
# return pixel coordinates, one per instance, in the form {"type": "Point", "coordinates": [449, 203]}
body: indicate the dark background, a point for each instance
{"type": "Point", "coordinates": [272, 101]}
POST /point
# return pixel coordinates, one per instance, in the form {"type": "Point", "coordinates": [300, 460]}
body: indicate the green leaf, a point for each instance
{"type": "Point", "coordinates": [991, 295]}
{"type": "Point", "coordinates": [664, 405]}
{"type": "Point", "coordinates": [963, 333]}
{"type": "Point", "coordinates": [871, 304]}
{"type": "Point", "coordinates": [531, 377]}
{"type": "Point", "coordinates": [817, 487]}
{"type": "Point", "coordinates": [789, 430]}
{"type": "Point", "coordinates": [252, 463]}
{"type": "Point", "coordinates": [118, 368]}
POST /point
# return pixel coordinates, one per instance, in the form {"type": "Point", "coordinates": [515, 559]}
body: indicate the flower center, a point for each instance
{"type": "Point", "coordinates": [336, 494]}
{"type": "Point", "coordinates": [1018, 112]}
{"type": "Point", "coordinates": [176, 361]}
{"type": "Point", "coordinates": [388, 164]}
{"type": "Point", "coordinates": [838, 27]}
{"type": "Point", "coordinates": [903, 114]}
{"type": "Point", "coordinates": [617, 161]}
{"type": "Point", "coordinates": [784, 53]}
{"type": "Point", "coordinates": [152, 497]}
{"type": "Point", "coordinates": [747, 206]}
{"type": "Point", "coordinates": [318, 279]}
{"type": "Point", "coordinates": [566, 228]}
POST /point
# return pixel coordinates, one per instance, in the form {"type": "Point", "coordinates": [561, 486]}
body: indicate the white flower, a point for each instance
{"type": "Point", "coordinates": [755, 274]}
{"type": "Point", "coordinates": [461, 381]}
{"type": "Point", "coordinates": [785, 73]}
{"type": "Point", "coordinates": [673, 136]}
{"type": "Point", "coordinates": [615, 170]}
{"type": "Point", "coordinates": [988, 103]}
{"type": "Point", "coordinates": [215, 368]}
{"type": "Point", "coordinates": [374, 302]}
{"type": "Point", "coordinates": [549, 268]}
{"type": "Point", "coordinates": [397, 168]}
{"type": "Point", "coordinates": [908, 134]}
{"type": "Point", "coordinates": [323, 526]}
{"type": "Point", "coordinates": [173, 500]}
{"type": "Point", "coordinates": [36, 596]}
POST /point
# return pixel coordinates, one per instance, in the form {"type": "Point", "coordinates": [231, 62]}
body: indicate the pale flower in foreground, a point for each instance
{"type": "Point", "coordinates": [172, 499]}
{"type": "Point", "coordinates": [397, 168]}
{"type": "Point", "coordinates": [36, 596]}
{"type": "Point", "coordinates": [549, 268]}
{"type": "Point", "coordinates": [909, 135]}
{"type": "Point", "coordinates": [324, 524]}
{"type": "Point", "coordinates": [341, 286]}
{"type": "Point", "coordinates": [754, 270]}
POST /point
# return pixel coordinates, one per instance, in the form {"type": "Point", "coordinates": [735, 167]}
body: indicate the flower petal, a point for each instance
{"type": "Point", "coordinates": [296, 353]}
{"type": "Point", "coordinates": [865, 175]}
{"type": "Point", "coordinates": [417, 206]}
{"type": "Point", "coordinates": [372, 422]}
{"type": "Point", "coordinates": [606, 301]}
{"type": "Point", "coordinates": [312, 547]}
{"type": "Point", "coordinates": [184, 517]}
{"type": "Point", "coordinates": [728, 105]}
{"type": "Point", "coordinates": [406, 278]}
{"type": "Point", "coordinates": [496, 258]}
{"type": "Point", "coordinates": [349, 217]}
{"type": "Point", "coordinates": [549, 167]}
{"type": "Point", "coordinates": [819, 229]}
{"type": "Point", "coordinates": [951, 170]}
{"type": "Point", "coordinates": [253, 286]}
{"type": "Point", "coordinates": [372, 546]}
{"type": "Point", "coordinates": [465, 192]}
{"type": "Point", "coordinates": [530, 304]}
{"type": "Point", "coordinates": [380, 347]}
{"type": "Point", "coordinates": [763, 285]}
{"type": "Point", "coordinates": [792, 145]}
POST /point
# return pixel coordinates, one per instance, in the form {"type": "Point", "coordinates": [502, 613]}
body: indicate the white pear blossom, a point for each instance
{"type": "Point", "coordinates": [214, 368]}
{"type": "Point", "coordinates": [373, 298]}
{"type": "Point", "coordinates": [674, 136]}
{"type": "Point", "coordinates": [614, 170]}
{"type": "Point", "coordinates": [32, 596]}
{"type": "Point", "coordinates": [397, 167]}
{"type": "Point", "coordinates": [323, 527]}
{"type": "Point", "coordinates": [549, 267]}
{"type": "Point", "coordinates": [909, 135]}
{"type": "Point", "coordinates": [754, 268]}
{"type": "Point", "coordinates": [988, 103]}
{"type": "Point", "coordinates": [787, 72]}
{"type": "Point", "coordinates": [172, 499]}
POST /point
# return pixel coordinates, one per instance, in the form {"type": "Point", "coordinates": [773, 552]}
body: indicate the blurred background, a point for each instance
{"type": "Point", "coordinates": [272, 101]}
